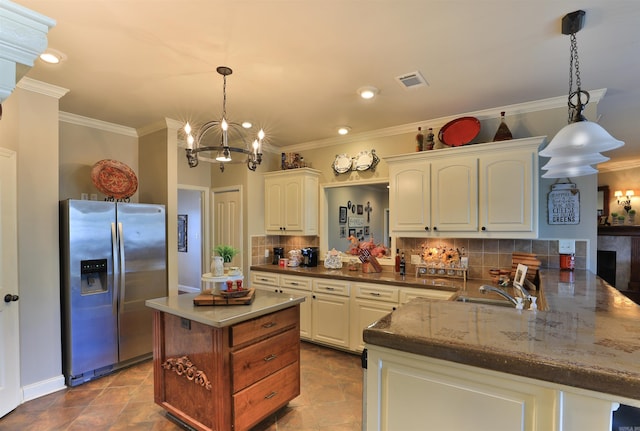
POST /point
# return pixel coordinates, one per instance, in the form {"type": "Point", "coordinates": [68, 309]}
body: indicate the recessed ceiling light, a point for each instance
{"type": "Point", "coordinates": [368, 92]}
{"type": "Point", "coordinates": [343, 130]}
{"type": "Point", "coordinates": [247, 124]}
{"type": "Point", "coordinates": [52, 56]}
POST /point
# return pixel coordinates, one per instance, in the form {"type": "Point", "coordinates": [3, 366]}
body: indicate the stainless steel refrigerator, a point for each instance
{"type": "Point", "coordinates": [113, 258]}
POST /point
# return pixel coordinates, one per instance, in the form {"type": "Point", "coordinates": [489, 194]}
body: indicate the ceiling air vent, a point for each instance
{"type": "Point", "coordinates": [411, 80]}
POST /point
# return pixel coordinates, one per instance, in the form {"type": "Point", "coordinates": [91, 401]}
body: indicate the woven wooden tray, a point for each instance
{"type": "Point", "coordinates": [209, 299]}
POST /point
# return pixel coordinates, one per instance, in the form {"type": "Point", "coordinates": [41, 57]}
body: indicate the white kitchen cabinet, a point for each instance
{"type": "Point", "coordinates": [330, 312]}
{"type": "Point", "coordinates": [265, 281]}
{"type": "Point", "coordinates": [300, 286]}
{"type": "Point", "coordinates": [508, 191]}
{"type": "Point", "coordinates": [476, 191]}
{"type": "Point", "coordinates": [410, 392]}
{"type": "Point", "coordinates": [370, 302]}
{"type": "Point", "coordinates": [291, 202]}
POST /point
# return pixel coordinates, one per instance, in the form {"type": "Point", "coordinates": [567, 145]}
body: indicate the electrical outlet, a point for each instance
{"type": "Point", "coordinates": [415, 259]}
{"type": "Point", "coordinates": [566, 246]}
{"type": "Point", "coordinates": [266, 253]}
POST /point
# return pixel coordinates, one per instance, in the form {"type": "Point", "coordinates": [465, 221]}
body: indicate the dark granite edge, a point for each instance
{"type": "Point", "coordinates": [529, 366]}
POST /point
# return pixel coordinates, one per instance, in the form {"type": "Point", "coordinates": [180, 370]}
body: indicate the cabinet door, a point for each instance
{"type": "Point", "coordinates": [454, 195]}
{"type": "Point", "coordinates": [305, 310]}
{"type": "Point", "coordinates": [508, 192]}
{"type": "Point", "coordinates": [292, 205]}
{"type": "Point", "coordinates": [274, 196]}
{"type": "Point", "coordinates": [363, 313]}
{"type": "Point", "coordinates": [330, 316]}
{"type": "Point", "coordinates": [409, 196]}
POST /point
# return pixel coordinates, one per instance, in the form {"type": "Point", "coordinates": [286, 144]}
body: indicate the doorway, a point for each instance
{"type": "Point", "coordinates": [193, 237]}
{"type": "Point", "coordinates": [227, 220]}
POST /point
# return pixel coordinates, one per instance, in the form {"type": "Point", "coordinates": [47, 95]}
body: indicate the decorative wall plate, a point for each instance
{"type": "Point", "coordinates": [115, 179]}
{"type": "Point", "coordinates": [460, 131]}
{"type": "Point", "coordinates": [342, 164]}
{"type": "Point", "coordinates": [363, 160]}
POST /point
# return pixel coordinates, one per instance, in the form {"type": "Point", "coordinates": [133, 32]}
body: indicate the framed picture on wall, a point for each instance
{"type": "Point", "coordinates": [343, 231]}
{"type": "Point", "coordinates": [343, 214]}
{"type": "Point", "coordinates": [182, 232]}
{"type": "Point", "coordinates": [360, 209]}
{"type": "Point", "coordinates": [366, 230]}
{"type": "Point", "coordinates": [352, 232]}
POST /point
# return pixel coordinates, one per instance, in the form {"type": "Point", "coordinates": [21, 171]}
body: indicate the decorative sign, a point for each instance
{"type": "Point", "coordinates": [564, 204]}
{"type": "Point", "coordinates": [356, 221]}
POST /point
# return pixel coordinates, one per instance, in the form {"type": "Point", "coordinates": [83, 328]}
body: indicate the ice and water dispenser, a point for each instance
{"type": "Point", "coordinates": [93, 276]}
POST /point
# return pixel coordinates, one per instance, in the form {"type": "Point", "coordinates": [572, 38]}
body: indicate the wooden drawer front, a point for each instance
{"type": "Point", "coordinates": [265, 278]}
{"type": "Point", "coordinates": [376, 291]}
{"type": "Point", "coordinates": [257, 361]}
{"type": "Point", "coordinates": [256, 402]}
{"type": "Point", "coordinates": [334, 287]}
{"type": "Point", "coordinates": [293, 282]}
{"type": "Point", "coordinates": [264, 326]}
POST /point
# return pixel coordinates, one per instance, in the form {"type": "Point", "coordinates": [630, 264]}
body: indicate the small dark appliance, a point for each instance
{"type": "Point", "coordinates": [278, 252]}
{"type": "Point", "coordinates": [310, 256]}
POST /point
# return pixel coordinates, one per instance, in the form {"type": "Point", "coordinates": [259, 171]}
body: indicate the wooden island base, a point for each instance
{"type": "Point", "coordinates": [226, 378]}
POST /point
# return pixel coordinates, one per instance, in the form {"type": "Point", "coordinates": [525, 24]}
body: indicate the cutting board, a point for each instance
{"type": "Point", "coordinates": [208, 299]}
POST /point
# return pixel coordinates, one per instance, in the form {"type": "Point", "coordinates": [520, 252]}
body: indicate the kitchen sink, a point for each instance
{"type": "Point", "coordinates": [486, 301]}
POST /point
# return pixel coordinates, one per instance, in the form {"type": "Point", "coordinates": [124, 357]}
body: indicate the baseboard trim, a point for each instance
{"type": "Point", "coordinates": [42, 388]}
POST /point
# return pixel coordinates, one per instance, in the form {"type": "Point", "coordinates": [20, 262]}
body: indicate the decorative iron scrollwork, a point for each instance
{"type": "Point", "coordinates": [184, 367]}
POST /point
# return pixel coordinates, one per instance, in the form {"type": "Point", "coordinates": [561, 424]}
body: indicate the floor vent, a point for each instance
{"type": "Point", "coordinates": [412, 80]}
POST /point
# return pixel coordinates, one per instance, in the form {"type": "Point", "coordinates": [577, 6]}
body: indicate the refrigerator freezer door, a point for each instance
{"type": "Point", "coordinates": [90, 333]}
{"type": "Point", "coordinates": [142, 245]}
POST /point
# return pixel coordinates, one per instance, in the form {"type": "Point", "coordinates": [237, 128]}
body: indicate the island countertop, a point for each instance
{"type": "Point", "coordinates": [223, 315]}
{"type": "Point", "coordinates": [589, 338]}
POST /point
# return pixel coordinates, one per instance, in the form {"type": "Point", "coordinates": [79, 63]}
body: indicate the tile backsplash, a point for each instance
{"type": "Point", "coordinates": [484, 254]}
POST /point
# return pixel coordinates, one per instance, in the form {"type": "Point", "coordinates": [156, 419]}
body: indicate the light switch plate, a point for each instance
{"type": "Point", "coordinates": [566, 246]}
{"type": "Point", "coordinates": [415, 259]}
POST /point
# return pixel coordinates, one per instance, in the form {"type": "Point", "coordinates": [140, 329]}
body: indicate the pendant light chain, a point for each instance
{"type": "Point", "coordinates": [224, 97]}
{"type": "Point", "coordinates": [573, 59]}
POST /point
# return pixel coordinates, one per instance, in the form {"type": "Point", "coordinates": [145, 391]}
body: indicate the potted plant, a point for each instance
{"type": "Point", "coordinates": [614, 217]}
{"type": "Point", "coordinates": [227, 252]}
{"type": "Point", "coordinates": [632, 217]}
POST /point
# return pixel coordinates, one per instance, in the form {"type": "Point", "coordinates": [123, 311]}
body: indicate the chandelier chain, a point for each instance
{"type": "Point", "coordinates": [224, 97]}
{"type": "Point", "coordinates": [573, 60]}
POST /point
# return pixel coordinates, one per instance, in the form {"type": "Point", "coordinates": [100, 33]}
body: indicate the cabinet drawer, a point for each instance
{"type": "Point", "coordinates": [295, 282]}
{"type": "Point", "coordinates": [333, 287]}
{"type": "Point", "coordinates": [264, 326]}
{"type": "Point", "coordinates": [259, 360]}
{"type": "Point", "coordinates": [255, 402]}
{"type": "Point", "coordinates": [265, 278]}
{"type": "Point", "coordinates": [376, 291]}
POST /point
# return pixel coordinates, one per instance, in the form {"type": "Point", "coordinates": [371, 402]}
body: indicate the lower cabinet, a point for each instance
{"type": "Point", "coordinates": [226, 378]}
{"type": "Point", "coordinates": [411, 392]}
{"type": "Point", "coordinates": [330, 312]}
{"type": "Point", "coordinates": [370, 303]}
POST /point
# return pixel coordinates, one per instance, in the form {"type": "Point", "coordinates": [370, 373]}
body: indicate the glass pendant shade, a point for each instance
{"type": "Point", "coordinates": [583, 137]}
{"type": "Point", "coordinates": [559, 162]}
{"type": "Point", "coordinates": [572, 171]}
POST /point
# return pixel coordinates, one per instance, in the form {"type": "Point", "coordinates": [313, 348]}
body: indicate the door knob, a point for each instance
{"type": "Point", "coordinates": [9, 297]}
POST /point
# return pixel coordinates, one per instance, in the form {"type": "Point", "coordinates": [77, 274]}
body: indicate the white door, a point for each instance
{"type": "Point", "coordinates": [9, 337]}
{"type": "Point", "coordinates": [227, 221]}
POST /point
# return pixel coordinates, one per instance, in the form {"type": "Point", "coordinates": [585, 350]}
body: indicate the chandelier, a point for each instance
{"type": "Point", "coordinates": [578, 145]}
{"type": "Point", "coordinates": [228, 137]}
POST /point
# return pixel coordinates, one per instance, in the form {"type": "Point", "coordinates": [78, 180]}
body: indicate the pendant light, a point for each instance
{"type": "Point", "coordinates": [581, 140]}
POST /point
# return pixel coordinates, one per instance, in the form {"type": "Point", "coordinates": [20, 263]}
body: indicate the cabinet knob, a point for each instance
{"type": "Point", "coordinates": [484, 228]}
{"type": "Point", "coordinates": [426, 228]}
{"type": "Point", "coordinates": [435, 228]}
{"type": "Point", "coordinates": [10, 298]}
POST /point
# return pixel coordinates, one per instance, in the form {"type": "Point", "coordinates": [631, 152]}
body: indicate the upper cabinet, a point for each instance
{"type": "Point", "coordinates": [291, 202]}
{"type": "Point", "coordinates": [478, 191]}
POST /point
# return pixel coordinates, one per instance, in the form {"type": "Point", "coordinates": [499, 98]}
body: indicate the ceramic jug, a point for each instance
{"type": "Point", "coordinates": [217, 266]}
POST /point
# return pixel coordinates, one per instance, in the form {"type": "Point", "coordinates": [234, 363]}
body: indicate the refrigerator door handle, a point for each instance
{"type": "Point", "coordinates": [122, 268]}
{"type": "Point", "coordinates": [114, 254]}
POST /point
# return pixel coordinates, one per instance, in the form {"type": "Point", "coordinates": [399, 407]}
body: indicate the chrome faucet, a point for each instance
{"type": "Point", "coordinates": [486, 288]}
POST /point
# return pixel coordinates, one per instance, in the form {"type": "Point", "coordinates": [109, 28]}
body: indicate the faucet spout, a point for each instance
{"type": "Point", "coordinates": [486, 288]}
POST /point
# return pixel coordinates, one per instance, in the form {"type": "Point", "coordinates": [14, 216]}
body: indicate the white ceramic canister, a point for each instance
{"type": "Point", "coordinates": [217, 266]}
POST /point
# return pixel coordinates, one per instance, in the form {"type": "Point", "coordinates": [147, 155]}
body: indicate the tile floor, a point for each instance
{"type": "Point", "coordinates": [330, 399]}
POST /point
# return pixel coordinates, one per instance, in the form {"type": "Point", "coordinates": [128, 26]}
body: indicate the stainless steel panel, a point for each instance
{"type": "Point", "coordinates": [144, 276]}
{"type": "Point", "coordinates": [90, 324]}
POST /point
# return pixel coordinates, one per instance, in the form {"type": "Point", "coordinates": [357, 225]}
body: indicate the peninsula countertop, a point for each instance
{"type": "Point", "coordinates": [223, 315]}
{"type": "Point", "coordinates": [589, 338]}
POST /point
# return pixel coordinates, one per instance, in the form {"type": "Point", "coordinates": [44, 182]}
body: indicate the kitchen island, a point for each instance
{"type": "Point", "coordinates": [225, 368]}
{"type": "Point", "coordinates": [446, 364]}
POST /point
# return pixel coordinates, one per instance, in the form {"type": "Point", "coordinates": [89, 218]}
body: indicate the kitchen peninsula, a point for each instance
{"type": "Point", "coordinates": [225, 368]}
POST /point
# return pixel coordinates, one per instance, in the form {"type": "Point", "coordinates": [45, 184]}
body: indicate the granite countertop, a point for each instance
{"type": "Point", "coordinates": [588, 338]}
{"type": "Point", "coordinates": [223, 315]}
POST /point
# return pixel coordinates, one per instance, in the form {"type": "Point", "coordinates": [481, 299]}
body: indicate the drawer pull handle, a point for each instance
{"type": "Point", "coordinates": [269, 325]}
{"type": "Point", "coordinates": [374, 293]}
{"type": "Point", "coordinates": [271, 395]}
{"type": "Point", "coordinates": [330, 288]}
{"type": "Point", "coordinates": [263, 279]}
{"type": "Point", "coordinates": [270, 358]}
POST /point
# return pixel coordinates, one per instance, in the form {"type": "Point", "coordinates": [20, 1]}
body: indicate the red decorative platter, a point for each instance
{"type": "Point", "coordinates": [114, 179]}
{"type": "Point", "coordinates": [460, 131]}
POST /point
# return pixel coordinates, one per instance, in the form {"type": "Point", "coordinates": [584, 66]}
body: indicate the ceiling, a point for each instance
{"type": "Point", "coordinates": [298, 63]}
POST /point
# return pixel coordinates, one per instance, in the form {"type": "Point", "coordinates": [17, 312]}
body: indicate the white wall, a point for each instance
{"type": "Point", "coordinates": [190, 262]}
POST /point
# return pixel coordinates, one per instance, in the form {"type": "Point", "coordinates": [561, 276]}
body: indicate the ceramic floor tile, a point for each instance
{"type": "Point", "coordinates": [330, 399]}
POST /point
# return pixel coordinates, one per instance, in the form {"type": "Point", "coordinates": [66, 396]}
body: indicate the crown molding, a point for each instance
{"type": "Point", "coordinates": [79, 120]}
{"type": "Point", "coordinates": [618, 166]}
{"type": "Point", "coordinates": [23, 33]}
{"type": "Point", "coordinates": [42, 87]}
{"type": "Point", "coordinates": [485, 114]}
